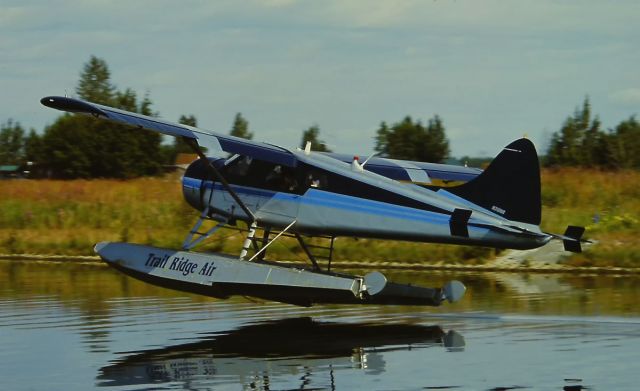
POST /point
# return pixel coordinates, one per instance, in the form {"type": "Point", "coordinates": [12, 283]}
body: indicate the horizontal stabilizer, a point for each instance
{"type": "Point", "coordinates": [421, 173]}
{"type": "Point", "coordinates": [572, 238]}
{"type": "Point", "coordinates": [459, 221]}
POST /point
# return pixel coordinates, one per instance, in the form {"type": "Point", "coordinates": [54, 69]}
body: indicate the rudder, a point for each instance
{"type": "Point", "coordinates": [510, 186]}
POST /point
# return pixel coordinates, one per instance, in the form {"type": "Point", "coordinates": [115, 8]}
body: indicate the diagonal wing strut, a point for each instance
{"type": "Point", "coordinates": [214, 171]}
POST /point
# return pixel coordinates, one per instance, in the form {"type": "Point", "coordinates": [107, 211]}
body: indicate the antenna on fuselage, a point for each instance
{"type": "Point", "coordinates": [307, 148]}
{"type": "Point", "coordinates": [367, 160]}
{"type": "Point", "coordinates": [355, 164]}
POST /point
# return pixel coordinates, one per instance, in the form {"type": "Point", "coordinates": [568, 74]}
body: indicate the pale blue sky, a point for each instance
{"type": "Point", "coordinates": [493, 70]}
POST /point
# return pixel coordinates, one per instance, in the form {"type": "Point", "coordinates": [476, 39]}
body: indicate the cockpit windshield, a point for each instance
{"type": "Point", "coordinates": [246, 171]}
{"type": "Point", "coordinates": [250, 172]}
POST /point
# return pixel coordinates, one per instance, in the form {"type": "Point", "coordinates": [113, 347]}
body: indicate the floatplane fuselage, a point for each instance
{"type": "Point", "coordinates": [302, 193]}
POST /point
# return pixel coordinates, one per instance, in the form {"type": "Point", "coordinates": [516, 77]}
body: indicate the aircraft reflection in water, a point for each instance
{"type": "Point", "coordinates": [255, 354]}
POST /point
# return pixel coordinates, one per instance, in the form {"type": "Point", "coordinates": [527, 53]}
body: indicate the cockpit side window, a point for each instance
{"type": "Point", "coordinates": [198, 169]}
{"type": "Point", "coordinates": [315, 179]}
{"type": "Point", "coordinates": [239, 167]}
{"type": "Point", "coordinates": [245, 171]}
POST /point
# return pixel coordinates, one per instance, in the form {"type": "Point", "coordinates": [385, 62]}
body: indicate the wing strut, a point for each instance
{"type": "Point", "coordinates": [264, 248]}
{"type": "Point", "coordinates": [196, 148]}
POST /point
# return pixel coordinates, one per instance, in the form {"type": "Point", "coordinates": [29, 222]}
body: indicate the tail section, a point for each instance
{"type": "Point", "coordinates": [573, 238]}
{"type": "Point", "coordinates": [510, 186]}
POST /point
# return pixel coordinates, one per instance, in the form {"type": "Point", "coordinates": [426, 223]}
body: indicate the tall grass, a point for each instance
{"type": "Point", "coordinates": [606, 203]}
{"type": "Point", "coordinates": [68, 217]}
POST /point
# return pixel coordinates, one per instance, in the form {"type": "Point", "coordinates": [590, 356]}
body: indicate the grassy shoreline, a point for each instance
{"type": "Point", "coordinates": [68, 217]}
{"type": "Point", "coordinates": [363, 266]}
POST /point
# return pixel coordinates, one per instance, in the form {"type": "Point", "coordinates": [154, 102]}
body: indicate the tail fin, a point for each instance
{"type": "Point", "coordinates": [510, 186]}
{"type": "Point", "coordinates": [573, 238]}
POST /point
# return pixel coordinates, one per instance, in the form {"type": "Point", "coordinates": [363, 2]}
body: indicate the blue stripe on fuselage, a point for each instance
{"type": "Point", "coordinates": [345, 202]}
{"type": "Point", "coordinates": [334, 200]}
{"type": "Point", "coordinates": [191, 183]}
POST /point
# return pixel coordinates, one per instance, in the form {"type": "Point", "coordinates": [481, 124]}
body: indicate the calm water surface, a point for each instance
{"type": "Point", "coordinates": [79, 327]}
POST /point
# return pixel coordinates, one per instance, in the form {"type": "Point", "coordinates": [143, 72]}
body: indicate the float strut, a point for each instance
{"type": "Point", "coordinates": [248, 240]}
{"type": "Point", "coordinates": [306, 250]}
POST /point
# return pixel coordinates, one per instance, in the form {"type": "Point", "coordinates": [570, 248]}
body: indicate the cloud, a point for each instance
{"type": "Point", "coordinates": [628, 97]}
{"type": "Point", "coordinates": [507, 17]}
{"type": "Point", "coordinates": [489, 69]}
{"type": "Point", "coordinates": [277, 3]}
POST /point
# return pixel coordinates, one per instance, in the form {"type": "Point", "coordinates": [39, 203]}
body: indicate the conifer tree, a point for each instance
{"type": "Point", "coordinates": [95, 84]}
{"type": "Point", "coordinates": [623, 145]}
{"type": "Point", "coordinates": [11, 143]}
{"type": "Point", "coordinates": [382, 140]}
{"type": "Point", "coordinates": [179, 145]}
{"type": "Point", "coordinates": [311, 135]}
{"type": "Point", "coordinates": [410, 140]}
{"type": "Point", "coordinates": [33, 147]}
{"type": "Point", "coordinates": [436, 142]}
{"type": "Point", "coordinates": [80, 146]}
{"type": "Point", "coordinates": [240, 127]}
{"type": "Point", "coordinates": [579, 142]}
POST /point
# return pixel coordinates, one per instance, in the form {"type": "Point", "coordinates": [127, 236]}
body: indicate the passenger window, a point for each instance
{"type": "Point", "coordinates": [315, 180]}
{"type": "Point", "coordinates": [281, 179]}
{"type": "Point", "coordinates": [240, 167]}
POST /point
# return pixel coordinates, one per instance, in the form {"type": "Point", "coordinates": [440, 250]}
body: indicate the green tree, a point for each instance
{"type": "Point", "coordinates": [11, 143]}
{"type": "Point", "coordinates": [382, 140]}
{"type": "Point", "coordinates": [95, 84]}
{"type": "Point", "coordinates": [311, 135]}
{"type": "Point", "coordinates": [240, 127]}
{"type": "Point", "coordinates": [405, 139]}
{"type": "Point", "coordinates": [33, 147]}
{"type": "Point", "coordinates": [579, 142]}
{"type": "Point", "coordinates": [594, 148]}
{"type": "Point", "coordinates": [623, 144]}
{"type": "Point", "coordinates": [144, 107]}
{"type": "Point", "coordinates": [81, 146]}
{"type": "Point", "coordinates": [179, 145]}
{"type": "Point", "coordinates": [436, 143]}
{"type": "Point", "coordinates": [66, 145]}
{"type": "Point", "coordinates": [188, 120]}
{"type": "Point", "coordinates": [412, 141]}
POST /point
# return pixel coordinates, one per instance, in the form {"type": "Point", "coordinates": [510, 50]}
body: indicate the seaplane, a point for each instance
{"type": "Point", "coordinates": [305, 194]}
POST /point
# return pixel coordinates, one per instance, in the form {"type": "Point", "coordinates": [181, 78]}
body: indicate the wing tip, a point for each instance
{"type": "Point", "coordinates": [71, 105]}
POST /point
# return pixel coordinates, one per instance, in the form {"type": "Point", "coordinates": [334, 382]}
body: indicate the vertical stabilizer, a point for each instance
{"type": "Point", "coordinates": [510, 186]}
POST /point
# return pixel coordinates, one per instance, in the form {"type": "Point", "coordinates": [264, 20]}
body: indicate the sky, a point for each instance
{"type": "Point", "coordinates": [492, 70]}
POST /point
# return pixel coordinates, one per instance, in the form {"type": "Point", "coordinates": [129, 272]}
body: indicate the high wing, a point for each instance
{"type": "Point", "coordinates": [419, 173]}
{"type": "Point", "coordinates": [215, 142]}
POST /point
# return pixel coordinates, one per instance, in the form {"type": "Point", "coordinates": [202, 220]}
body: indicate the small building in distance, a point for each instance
{"type": "Point", "coordinates": [10, 171]}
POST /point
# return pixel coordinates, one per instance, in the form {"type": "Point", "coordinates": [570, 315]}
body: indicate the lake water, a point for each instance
{"type": "Point", "coordinates": [79, 327]}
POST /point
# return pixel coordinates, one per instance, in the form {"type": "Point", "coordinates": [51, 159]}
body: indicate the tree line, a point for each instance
{"type": "Point", "coordinates": [581, 142]}
{"type": "Point", "coordinates": [76, 146]}
{"type": "Point", "coordinates": [82, 147]}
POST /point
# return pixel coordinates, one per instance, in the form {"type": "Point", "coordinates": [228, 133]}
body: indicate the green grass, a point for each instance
{"type": "Point", "coordinates": [68, 217]}
{"type": "Point", "coordinates": [606, 203]}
